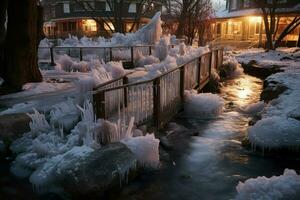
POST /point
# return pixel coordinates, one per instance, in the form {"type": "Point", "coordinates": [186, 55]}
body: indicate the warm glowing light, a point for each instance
{"type": "Point", "coordinates": [89, 25]}
{"type": "Point", "coordinates": [109, 26]}
{"type": "Point", "coordinates": [254, 19]}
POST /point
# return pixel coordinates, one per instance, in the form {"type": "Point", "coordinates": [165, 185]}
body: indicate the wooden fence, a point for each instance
{"type": "Point", "coordinates": [156, 100]}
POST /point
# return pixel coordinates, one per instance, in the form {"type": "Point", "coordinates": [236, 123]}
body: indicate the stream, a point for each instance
{"type": "Point", "coordinates": [214, 161]}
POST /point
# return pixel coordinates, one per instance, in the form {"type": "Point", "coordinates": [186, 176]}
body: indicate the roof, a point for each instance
{"type": "Point", "coordinates": [224, 14]}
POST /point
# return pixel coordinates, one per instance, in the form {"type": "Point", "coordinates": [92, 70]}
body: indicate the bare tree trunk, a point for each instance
{"type": "Point", "coordinates": [20, 62]}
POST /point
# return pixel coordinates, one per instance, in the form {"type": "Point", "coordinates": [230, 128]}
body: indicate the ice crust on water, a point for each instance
{"type": "Point", "coordinates": [254, 108]}
{"type": "Point", "coordinates": [286, 186]}
{"type": "Point", "coordinates": [203, 105]}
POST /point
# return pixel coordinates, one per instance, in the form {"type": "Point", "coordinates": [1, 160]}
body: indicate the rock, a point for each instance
{"type": "Point", "coordinates": [272, 90]}
{"type": "Point", "coordinates": [100, 171]}
{"type": "Point", "coordinates": [12, 126]}
{"type": "Point", "coordinates": [252, 68]}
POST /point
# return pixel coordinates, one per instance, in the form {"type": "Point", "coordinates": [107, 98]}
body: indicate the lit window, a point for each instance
{"type": "Point", "coordinates": [89, 25]}
{"type": "Point", "coordinates": [132, 8]}
{"type": "Point", "coordinates": [66, 8]}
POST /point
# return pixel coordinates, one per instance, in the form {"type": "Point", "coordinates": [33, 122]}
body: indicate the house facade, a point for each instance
{"type": "Point", "coordinates": [241, 23]}
{"type": "Point", "coordinates": [90, 18]}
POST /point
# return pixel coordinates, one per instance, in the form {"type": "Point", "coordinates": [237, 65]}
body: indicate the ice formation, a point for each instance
{"type": "Point", "coordinates": [145, 148]}
{"type": "Point", "coordinates": [205, 105]}
{"type": "Point", "coordinates": [286, 186]}
{"type": "Point", "coordinates": [162, 49]}
{"type": "Point", "coordinates": [275, 132]}
{"type": "Point", "coordinates": [46, 151]}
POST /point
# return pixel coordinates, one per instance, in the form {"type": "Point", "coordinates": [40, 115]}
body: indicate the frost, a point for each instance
{"type": "Point", "coordinates": [38, 123]}
{"type": "Point", "coordinates": [286, 186]}
{"type": "Point", "coordinates": [205, 105]}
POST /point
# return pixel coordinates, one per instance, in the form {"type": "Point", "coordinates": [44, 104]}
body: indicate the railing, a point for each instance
{"type": "Point", "coordinates": [156, 100]}
{"type": "Point", "coordinates": [126, 54]}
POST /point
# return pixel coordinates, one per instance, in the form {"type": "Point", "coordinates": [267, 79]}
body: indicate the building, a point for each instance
{"type": "Point", "coordinates": [90, 18]}
{"type": "Point", "coordinates": [241, 23]}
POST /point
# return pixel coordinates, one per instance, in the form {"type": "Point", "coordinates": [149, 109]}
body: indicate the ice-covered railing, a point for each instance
{"type": "Point", "coordinates": [158, 99]}
{"type": "Point", "coordinates": [126, 54]}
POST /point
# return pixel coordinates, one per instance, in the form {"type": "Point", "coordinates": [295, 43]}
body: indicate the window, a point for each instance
{"type": "Point", "coordinates": [234, 5]}
{"type": "Point", "coordinates": [132, 8]}
{"type": "Point", "coordinates": [107, 7]}
{"type": "Point", "coordinates": [219, 28]}
{"type": "Point", "coordinates": [66, 8]}
{"type": "Point", "coordinates": [89, 25]}
{"type": "Point", "coordinates": [65, 26]}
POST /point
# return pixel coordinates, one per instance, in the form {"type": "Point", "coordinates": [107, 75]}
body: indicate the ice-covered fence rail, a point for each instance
{"type": "Point", "coordinates": [156, 100]}
{"type": "Point", "coordinates": [127, 54]}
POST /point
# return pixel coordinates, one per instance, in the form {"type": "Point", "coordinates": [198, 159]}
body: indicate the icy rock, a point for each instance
{"type": "Point", "coordinates": [286, 186]}
{"type": "Point", "coordinates": [93, 173]}
{"type": "Point", "coordinates": [204, 105]}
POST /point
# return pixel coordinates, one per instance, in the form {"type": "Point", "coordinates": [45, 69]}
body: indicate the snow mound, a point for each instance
{"type": "Point", "coordinates": [204, 105]}
{"type": "Point", "coordinates": [145, 148]}
{"type": "Point", "coordinates": [286, 186]}
{"type": "Point", "coordinates": [231, 67]}
{"type": "Point", "coordinates": [275, 132]}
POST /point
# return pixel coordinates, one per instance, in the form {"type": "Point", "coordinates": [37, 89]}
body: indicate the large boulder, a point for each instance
{"type": "Point", "coordinates": [98, 172]}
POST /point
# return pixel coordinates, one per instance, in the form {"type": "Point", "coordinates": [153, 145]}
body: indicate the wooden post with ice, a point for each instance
{"type": "Point", "coordinates": [156, 102]}
{"type": "Point", "coordinates": [99, 104]}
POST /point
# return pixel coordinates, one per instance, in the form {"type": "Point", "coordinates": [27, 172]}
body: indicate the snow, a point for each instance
{"type": "Point", "coordinates": [279, 127]}
{"type": "Point", "coordinates": [286, 186]}
{"type": "Point", "coordinates": [231, 66]}
{"type": "Point", "coordinates": [285, 58]}
{"type": "Point", "coordinates": [145, 148]}
{"type": "Point", "coordinates": [204, 105]}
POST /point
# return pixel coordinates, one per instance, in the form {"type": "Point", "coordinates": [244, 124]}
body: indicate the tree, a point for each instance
{"type": "Point", "coordinates": [271, 19]}
{"type": "Point", "coordinates": [191, 16]}
{"type": "Point", "coordinates": [117, 16]}
{"type": "Point", "coordinates": [21, 25]}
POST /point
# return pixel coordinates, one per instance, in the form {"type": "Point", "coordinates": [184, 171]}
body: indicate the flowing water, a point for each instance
{"type": "Point", "coordinates": [214, 161]}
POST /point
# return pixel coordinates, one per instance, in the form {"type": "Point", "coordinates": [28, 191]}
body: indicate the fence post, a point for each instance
{"type": "Point", "coordinates": [99, 104]}
{"type": "Point", "coordinates": [80, 54]}
{"type": "Point", "coordinates": [125, 82]}
{"type": "Point", "coordinates": [150, 50]}
{"type": "Point", "coordinates": [199, 74]}
{"type": "Point", "coordinates": [182, 80]}
{"type": "Point", "coordinates": [156, 102]}
{"type": "Point", "coordinates": [52, 57]}
{"type": "Point", "coordinates": [210, 61]}
{"type": "Point", "coordinates": [110, 54]}
{"type": "Point", "coordinates": [132, 59]}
